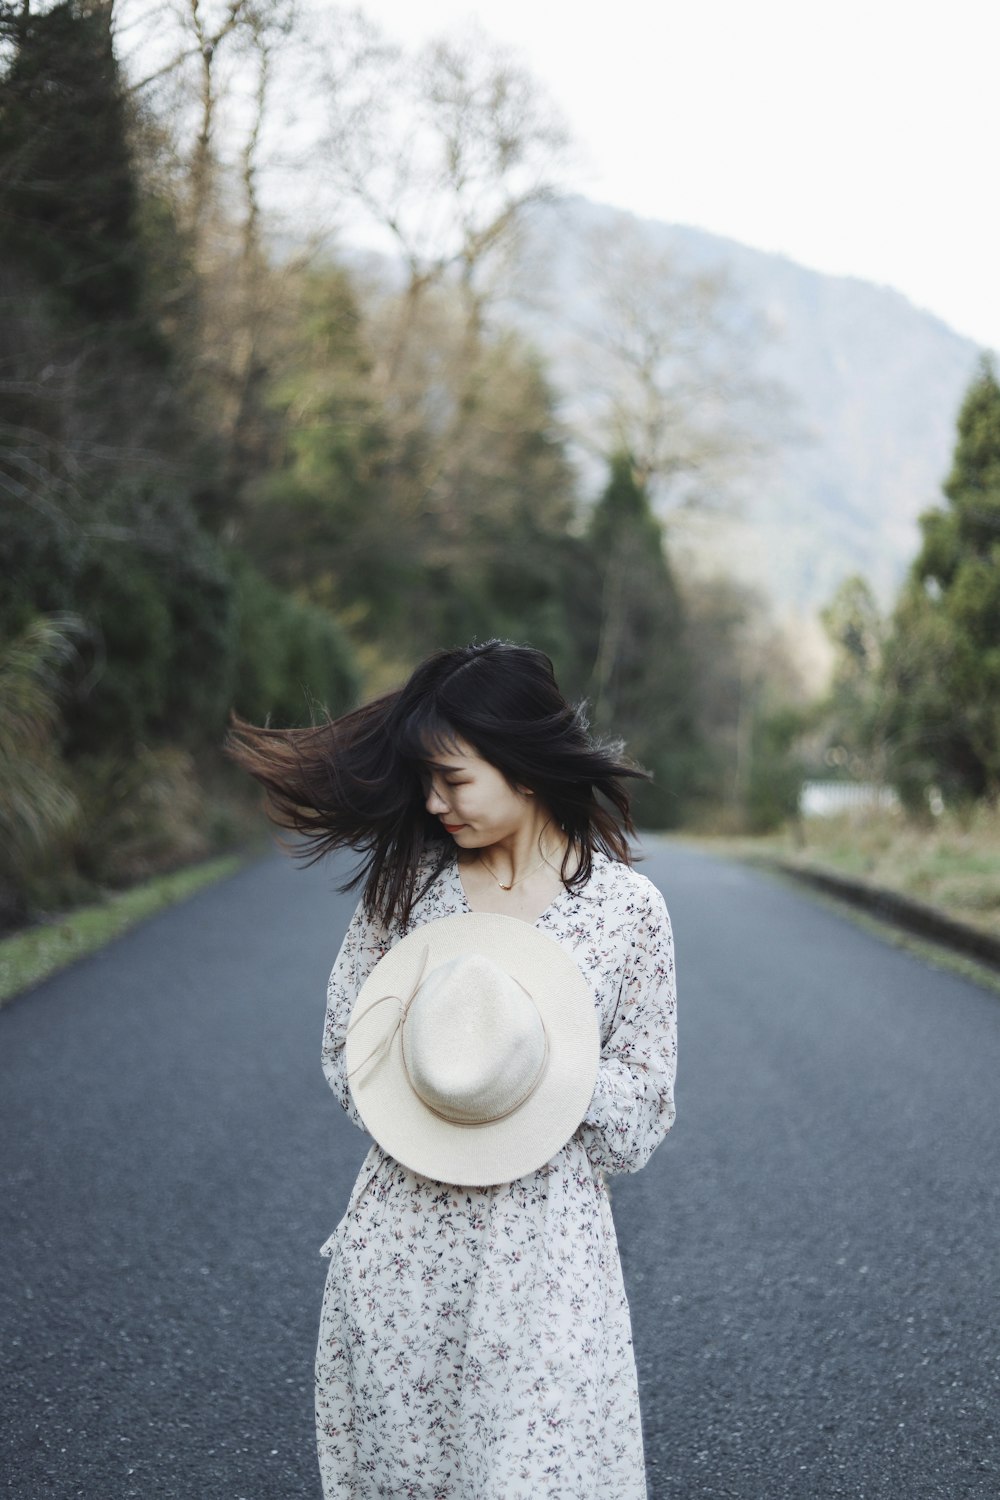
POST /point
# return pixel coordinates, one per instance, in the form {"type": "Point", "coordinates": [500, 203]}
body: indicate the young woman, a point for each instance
{"type": "Point", "coordinates": [475, 1342]}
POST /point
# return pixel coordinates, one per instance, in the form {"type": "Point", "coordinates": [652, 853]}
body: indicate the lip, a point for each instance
{"type": "Point", "coordinates": [452, 827]}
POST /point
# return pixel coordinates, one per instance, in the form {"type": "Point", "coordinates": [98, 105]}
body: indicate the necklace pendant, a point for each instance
{"type": "Point", "coordinates": [505, 887]}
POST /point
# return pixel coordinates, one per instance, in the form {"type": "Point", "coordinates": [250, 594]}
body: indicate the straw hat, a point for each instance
{"type": "Point", "coordinates": [472, 1049]}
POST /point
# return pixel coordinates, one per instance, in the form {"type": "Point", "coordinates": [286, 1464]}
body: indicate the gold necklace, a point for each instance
{"type": "Point", "coordinates": [496, 877]}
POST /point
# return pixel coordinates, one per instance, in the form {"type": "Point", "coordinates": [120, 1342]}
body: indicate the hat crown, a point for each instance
{"type": "Point", "coordinates": [473, 1042]}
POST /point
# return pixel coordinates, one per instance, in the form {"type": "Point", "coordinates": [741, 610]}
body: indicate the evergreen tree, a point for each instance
{"type": "Point", "coordinates": [942, 668]}
{"type": "Point", "coordinates": [641, 687]}
{"type": "Point", "coordinates": [103, 458]}
{"type": "Point", "coordinates": [67, 190]}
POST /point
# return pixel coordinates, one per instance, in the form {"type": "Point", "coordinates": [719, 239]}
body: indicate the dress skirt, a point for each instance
{"type": "Point", "coordinates": [475, 1343]}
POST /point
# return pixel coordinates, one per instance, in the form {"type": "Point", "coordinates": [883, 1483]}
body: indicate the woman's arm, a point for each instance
{"type": "Point", "coordinates": [365, 942]}
{"type": "Point", "coordinates": [632, 1107]}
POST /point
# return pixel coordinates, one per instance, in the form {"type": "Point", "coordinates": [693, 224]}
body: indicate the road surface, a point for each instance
{"type": "Point", "coordinates": [812, 1257]}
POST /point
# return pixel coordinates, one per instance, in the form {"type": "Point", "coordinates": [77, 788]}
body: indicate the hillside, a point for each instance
{"type": "Point", "coordinates": [875, 384]}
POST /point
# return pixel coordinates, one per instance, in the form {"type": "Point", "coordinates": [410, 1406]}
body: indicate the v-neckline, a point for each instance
{"type": "Point", "coordinates": [464, 897]}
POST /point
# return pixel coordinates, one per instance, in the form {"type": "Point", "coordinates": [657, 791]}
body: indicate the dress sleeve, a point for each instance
{"type": "Point", "coordinates": [365, 942]}
{"type": "Point", "coordinates": [632, 1106]}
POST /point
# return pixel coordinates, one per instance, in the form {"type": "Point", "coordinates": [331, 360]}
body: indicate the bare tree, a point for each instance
{"type": "Point", "coordinates": [673, 369]}
{"type": "Point", "coordinates": [208, 65]}
{"type": "Point", "coordinates": [443, 150]}
{"type": "Point", "coordinates": [204, 76]}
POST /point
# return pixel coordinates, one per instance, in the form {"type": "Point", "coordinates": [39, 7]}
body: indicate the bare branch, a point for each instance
{"type": "Point", "coordinates": [444, 150]}
{"type": "Point", "coordinates": [171, 67]}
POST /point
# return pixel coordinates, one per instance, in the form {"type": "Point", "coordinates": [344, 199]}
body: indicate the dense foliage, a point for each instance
{"type": "Point", "coordinates": [643, 682]}
{"type": "Point", "coordinates": [104, 465]}
{"type": "Point", "coordinates": [914, 701]}
{"type": "Point", "coordinates": [236, 479]}
{"type": "Point", "coordinates": [942, 659]}
{"type": "Point", "coordinates": [69, 192]}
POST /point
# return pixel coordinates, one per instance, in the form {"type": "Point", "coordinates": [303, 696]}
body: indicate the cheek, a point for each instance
{"type": "Point", "coordinates": [503, 803]}
{"type": "Point", "coordinates": [488, 799]}
{"type": "Point", "coordinates": [463, 801]}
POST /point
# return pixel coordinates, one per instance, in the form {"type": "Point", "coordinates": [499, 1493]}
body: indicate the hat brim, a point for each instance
{"type": "Point", "coordinates": [396, 1116]}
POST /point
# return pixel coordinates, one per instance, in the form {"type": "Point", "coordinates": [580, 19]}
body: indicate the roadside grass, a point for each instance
{"type": "Point", "coordinates": [952, 862]}
{"type": "Point", "coordinates": [931, 953]}
{"type": "Point", "coordinates": [28, 957]}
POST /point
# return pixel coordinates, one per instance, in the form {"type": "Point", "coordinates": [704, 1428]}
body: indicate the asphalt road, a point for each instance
{"type": "Point", "coordinates": [812, 1257]}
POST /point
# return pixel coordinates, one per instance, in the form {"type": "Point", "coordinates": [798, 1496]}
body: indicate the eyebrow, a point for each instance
{"type": "Point", "coordinates": [436, 765]}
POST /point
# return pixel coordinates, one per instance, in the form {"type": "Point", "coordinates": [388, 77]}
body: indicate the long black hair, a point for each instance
{"type": "Point", "coordinates": [358, 781]}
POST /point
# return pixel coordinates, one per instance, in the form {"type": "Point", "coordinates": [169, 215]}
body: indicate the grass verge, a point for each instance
{"type": "Point", "coordinates": [841, 849]}
{"type": "Point", "coordinates": [952, 863]}
{"type": "Point", "coordinates": [28, 957]}
{"type": "Point", "coordinates": [932, 953]}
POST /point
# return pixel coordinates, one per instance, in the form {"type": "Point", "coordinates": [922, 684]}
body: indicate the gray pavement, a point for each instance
{"type": "Point", "coordinates": [811, 1257]}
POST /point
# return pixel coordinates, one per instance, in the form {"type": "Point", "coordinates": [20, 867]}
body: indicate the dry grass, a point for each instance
{"type": "Point", "coordinates": [952, 863]}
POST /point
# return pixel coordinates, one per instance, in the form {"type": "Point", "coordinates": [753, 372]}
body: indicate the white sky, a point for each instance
{"type": "Point", "coordinates": [856, 136]}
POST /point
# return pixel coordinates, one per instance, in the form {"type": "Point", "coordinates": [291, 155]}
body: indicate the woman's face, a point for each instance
{"type": "Point", "coordinates": [474, 801]}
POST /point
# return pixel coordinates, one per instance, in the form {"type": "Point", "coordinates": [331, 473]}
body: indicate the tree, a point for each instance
{"type": "Point", "coordinates": [674, 381]}
{"type": "Point", "coordinates": [641, 687]}
{"type": "Point", "coordinates": [434, 513]}
{"type": "Point", "coordinates": [444, 150]}
{"type": "Point", "coordinates": [101, 522]}
{"type": "Point", "coordinates": [849, 725]}
{"type": "Point", "coordinates": [323, 522]}
{"type": "Point", "coordinates": [942, 672]}
{"type": "Point", "coordinates": [202, 126]}
{"type": "Point", "coordinates": [198, 83]}
{"type": "Point", "coordinates": [67, 189]}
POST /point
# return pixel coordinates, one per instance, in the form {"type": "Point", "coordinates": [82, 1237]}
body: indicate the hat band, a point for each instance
{"type": "Point", "coordinates": [386, 1042]}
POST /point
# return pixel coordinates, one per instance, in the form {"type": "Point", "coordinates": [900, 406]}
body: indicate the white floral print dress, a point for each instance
{"type": "Point", "coordinates": [476, 1343]}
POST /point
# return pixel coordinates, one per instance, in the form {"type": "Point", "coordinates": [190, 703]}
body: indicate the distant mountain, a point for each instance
{"type": "Point", "coordinates": [876, 384]}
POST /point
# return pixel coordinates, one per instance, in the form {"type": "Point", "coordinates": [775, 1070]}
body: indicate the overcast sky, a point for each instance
{"type": "Point", "coordinates": [858, 137]}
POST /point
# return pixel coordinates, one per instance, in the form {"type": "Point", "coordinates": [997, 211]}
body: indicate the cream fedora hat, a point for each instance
{"type": "Point", "coordinates": [472, 1049]}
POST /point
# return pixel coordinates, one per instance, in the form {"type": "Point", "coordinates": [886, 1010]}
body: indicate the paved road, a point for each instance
{"type": "Point", "coordinates": [812, 1257]}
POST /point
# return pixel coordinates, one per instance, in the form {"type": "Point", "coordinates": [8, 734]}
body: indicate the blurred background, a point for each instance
{"type": "Point", "coordinates": [333, 336]}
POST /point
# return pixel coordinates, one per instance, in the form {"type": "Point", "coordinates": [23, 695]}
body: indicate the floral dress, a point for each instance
{"type": "Point", "coordinates": [475, 1342]}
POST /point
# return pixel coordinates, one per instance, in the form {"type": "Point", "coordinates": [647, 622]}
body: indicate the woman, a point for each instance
{"type": "Point", "coordinates": [475, 1342]}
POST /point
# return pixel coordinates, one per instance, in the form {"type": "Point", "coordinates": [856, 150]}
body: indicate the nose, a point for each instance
{"type": "Point", "coordinates": [435, 804]}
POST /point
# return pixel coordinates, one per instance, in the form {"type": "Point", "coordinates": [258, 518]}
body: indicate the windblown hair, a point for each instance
{"type": "Point", "coordinates": [357, 781]}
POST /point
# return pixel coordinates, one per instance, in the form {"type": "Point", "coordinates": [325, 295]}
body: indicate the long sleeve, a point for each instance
{"type": "Point", "coordinates": [365, 942]}
{"type": "Point", "coordinates": [632, 1107]}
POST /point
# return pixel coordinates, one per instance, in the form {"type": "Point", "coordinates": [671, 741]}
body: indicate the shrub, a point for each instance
{"type": "Point", "coordinates": [38, 807]}
{"type": "Point", "coordinates": [290, 656]}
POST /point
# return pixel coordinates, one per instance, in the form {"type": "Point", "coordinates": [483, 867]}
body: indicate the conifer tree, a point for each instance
{"type": "Point", "coordinates": [641, 686]}
{"type": "Point", "coordinates": [67, 189]}
{"type": "Point", "coordinates": [942, 670]}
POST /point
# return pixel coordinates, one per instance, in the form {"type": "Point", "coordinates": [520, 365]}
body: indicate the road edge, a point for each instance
{"type": "Point", "coordinates": [929, 923]}
{"type": "Point", "coordinates": [900, 920]}
{"type": "Point", "coordinates": [35, 953]}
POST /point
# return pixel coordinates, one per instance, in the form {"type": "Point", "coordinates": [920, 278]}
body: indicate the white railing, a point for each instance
{"type": "Point", "coordinates": [824, 799]}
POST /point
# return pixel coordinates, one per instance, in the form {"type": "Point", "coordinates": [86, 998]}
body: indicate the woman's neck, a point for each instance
{"type": "Point", "coordinates": [535, 843]}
